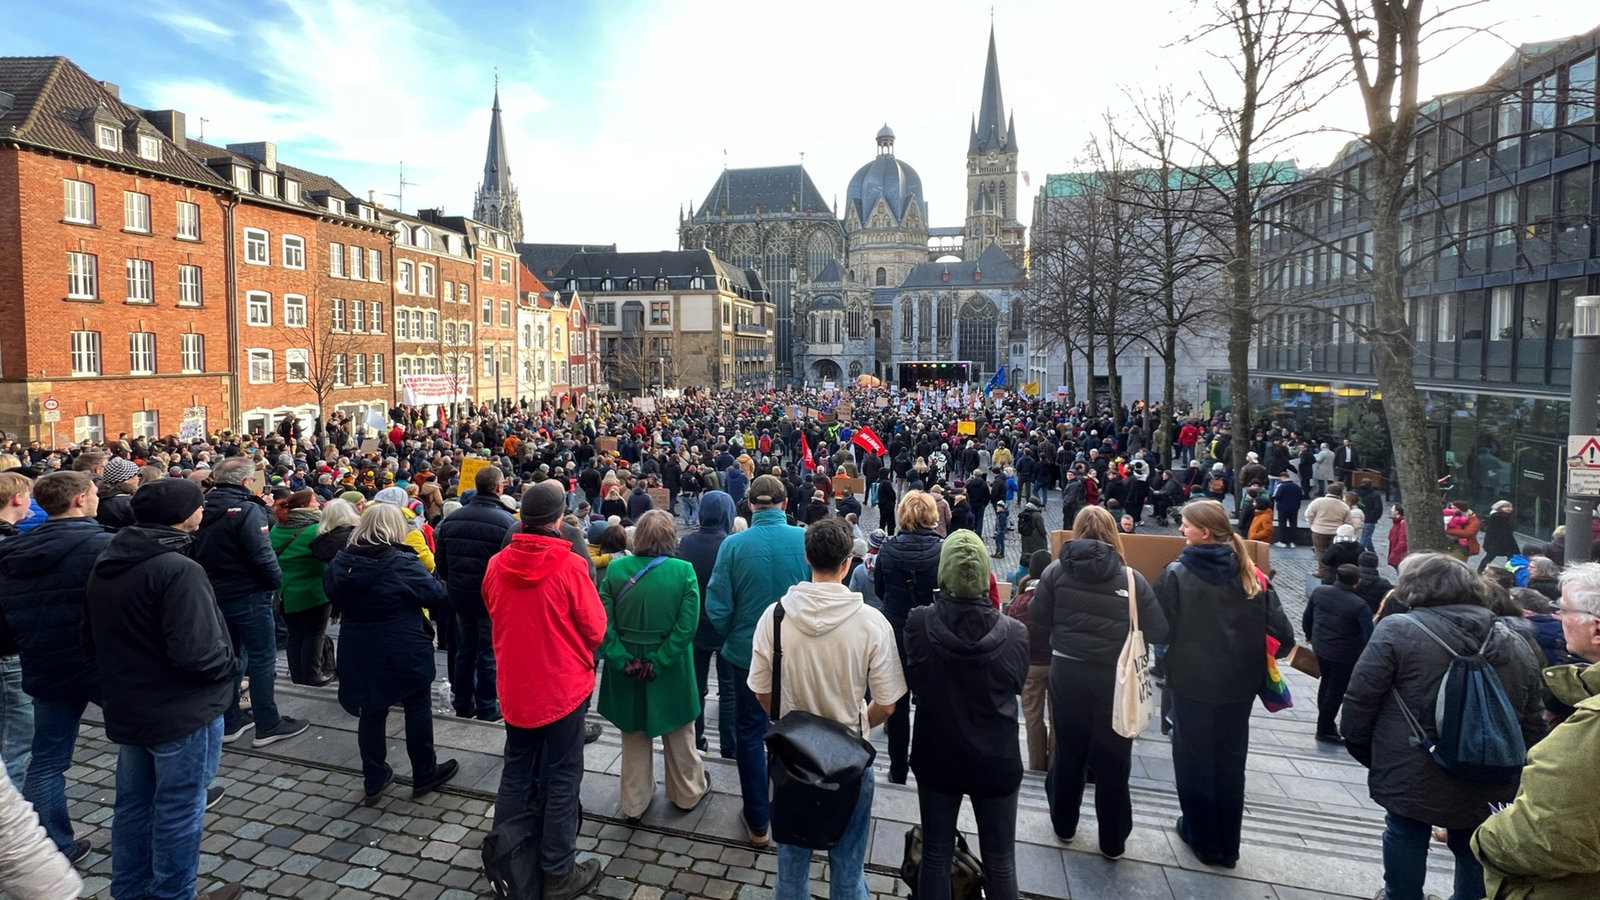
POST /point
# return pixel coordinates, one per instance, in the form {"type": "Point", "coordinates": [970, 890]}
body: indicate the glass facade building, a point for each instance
{"type": "Point", "coordinates": [1499, 238]}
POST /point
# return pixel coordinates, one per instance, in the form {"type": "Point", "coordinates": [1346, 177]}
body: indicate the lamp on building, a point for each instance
{"type": "Point", "coordinates": [1585, 386]}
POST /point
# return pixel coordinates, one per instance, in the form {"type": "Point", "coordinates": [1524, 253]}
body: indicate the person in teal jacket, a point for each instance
{"type": "Point", "coordinates": [754, 568]}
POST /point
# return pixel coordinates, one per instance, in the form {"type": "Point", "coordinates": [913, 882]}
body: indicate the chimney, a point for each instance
{"type": "Point", "coordinates": [171, 123]}
{"type": "Point", "coordinates": [112, 89]}
{"type": "Point", "coordinates": [264, 152]}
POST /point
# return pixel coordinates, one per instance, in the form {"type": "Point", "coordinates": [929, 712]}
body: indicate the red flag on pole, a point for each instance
{"type": "Point", "coordinates": [805, 454]}
{"type": "Point", "coordinates": [868, 441]}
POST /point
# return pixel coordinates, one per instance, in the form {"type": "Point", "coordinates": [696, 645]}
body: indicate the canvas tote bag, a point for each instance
{"type": "Point", "coordinates": [1133, 701]}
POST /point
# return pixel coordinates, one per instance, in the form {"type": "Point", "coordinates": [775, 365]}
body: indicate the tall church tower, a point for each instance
{"type": "Point", "coordinates": [496, 201]}
{"type": "Point", "coordinates": [992, 172]}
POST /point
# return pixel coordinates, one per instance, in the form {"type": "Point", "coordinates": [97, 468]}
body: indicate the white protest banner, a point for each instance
{"type": "Point", "coordinates": [424, 390]}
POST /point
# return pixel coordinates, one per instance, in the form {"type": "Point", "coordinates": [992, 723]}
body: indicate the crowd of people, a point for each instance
{"type": "Point", "coordinates": [623, 554]}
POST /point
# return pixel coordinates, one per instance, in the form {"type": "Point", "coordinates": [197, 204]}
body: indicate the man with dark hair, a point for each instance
{"type": "Point", "coordinates": [836, 650]}
{"type": "Point", "coordinates": [167, 669]}
{"type": "Point", "coordinates": [547, 622]}
{"type": "Point", "coordinates": [463, 545]}
{"type": "Point", "coordinates": [233, 547]}
{"type": "Point", "coordinates": [44, 575]}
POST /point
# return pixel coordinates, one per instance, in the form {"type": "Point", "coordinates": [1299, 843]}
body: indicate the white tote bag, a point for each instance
{"type": "Point", "coordinates": [1133, 703]}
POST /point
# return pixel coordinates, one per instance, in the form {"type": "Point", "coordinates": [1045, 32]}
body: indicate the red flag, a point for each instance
{"type": "Point", "coordinates": [805, 454]}
{"type": "Point", "coordinates": [869, 442]}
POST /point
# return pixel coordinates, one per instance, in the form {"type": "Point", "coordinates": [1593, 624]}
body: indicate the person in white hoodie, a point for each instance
{"type": "Point", "coordinates": [835, 648]}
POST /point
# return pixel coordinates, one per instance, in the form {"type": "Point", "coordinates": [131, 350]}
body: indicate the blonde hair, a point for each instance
{"type": "Point", "coordinates": [10, 461]}
{"type": "Point", "coordinates": [917, 510]}
{"type": "Point", "coordinates": [1094, 523]}
{"type": "Point", "coordinates": [381, 523]}
{"type": "Point", "coordinates": [339, 513]}
{"type": "Point", "coordinates": [655, 534]}
{"type": "Point", "coordinates": [1210, 515]}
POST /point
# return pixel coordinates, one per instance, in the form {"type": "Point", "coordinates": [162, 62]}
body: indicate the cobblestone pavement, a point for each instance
{"type": "Point", "coordinates": [292, 824]}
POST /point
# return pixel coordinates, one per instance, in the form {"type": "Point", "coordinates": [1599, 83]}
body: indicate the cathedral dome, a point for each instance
{"type": "Point", "coordinates": [886, 177]}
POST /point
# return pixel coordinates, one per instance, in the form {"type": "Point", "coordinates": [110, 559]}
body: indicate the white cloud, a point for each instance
{"type": "Point", "coordinates": [621, 114]}
{"type": "Point", "coordinates": [192, 28]}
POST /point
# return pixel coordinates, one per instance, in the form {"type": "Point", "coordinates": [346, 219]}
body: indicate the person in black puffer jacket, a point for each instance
{"type": "Point", "coordinates": [1082, 599]}
{"type": "Point", "coordinates": [44, 574]}
{"type": "Point", "coordinates": [700, 548]}
{"type": "Point", "coordinates": [463, 544]}
{"type": "Point", "coordinates": [968, 662]}
{"type": "Point", "coordinates": [904, 578]}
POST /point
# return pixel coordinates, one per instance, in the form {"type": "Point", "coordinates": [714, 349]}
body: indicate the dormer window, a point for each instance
{"type": "Point", "coordinates": [241, 178]}
{"type": "Point", "coordinates": [335, 205]}
{"type": "Point", "coordinates": [107, 137]}
{"type": "Point", "coordinates": [366, 213]}
{"type": "Point", "coordinates": [291, 191]}
{"type": "Point", "coordinates": [150, 148]}
{"type": "Point", "coordinates": [697, 283]}
{"type": "Point", "coordinates": [269, 184]}
{"type": "Point", "coordinates": [605, 285]}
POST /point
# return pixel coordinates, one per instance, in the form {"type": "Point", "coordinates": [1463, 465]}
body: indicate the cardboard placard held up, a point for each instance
{"type": "Point", "coordinates": [606, 444]}
{"type": "Point", "coordinates": [966, 426]}
{"type": "Point", "coordinates": [658, 498]}
{"type": "Point", "coordinates": [469, 470]}
{"type": "Point", "coordinates": [1005, 589]}
{"type": "Point", "coordinates": [1149, 554]}
{"type": "Point", "coordinates": [849, 485]}
{"type": "Point", "coordinates": [370, 445]}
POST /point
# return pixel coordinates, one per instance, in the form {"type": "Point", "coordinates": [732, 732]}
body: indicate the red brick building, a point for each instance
{"type": "Point", "coordinates": [113, 265]}
{"type": "Point", "coordinates": [495, 296]}
{"type": "Point", "coordinates": [434, 326]}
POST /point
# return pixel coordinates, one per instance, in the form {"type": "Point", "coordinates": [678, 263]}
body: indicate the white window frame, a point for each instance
{"type": "Point", "coordinates": [425, 280]}
{"type": "Point", "coordinates": [294, 251]}
{"type": "Point", "coordinates": [258, 308]}
{"type": "Point", "coordinates": [141, 277]}
{"type": "Point", "coordinates": [262, 357]}
{"type": "Point", "coordinates": [488, 267]}
{"type": "Point", "coordinates": [241, 179]}
{"type": "Point", "coordinates": [402, 324]}
{"type": "Point", "coordinates": [356, 261]}
{"type": "Point", "coordinates": [294, 311]}
{"type": "Point", "coordinates": [107, 137]}
{"type": "Point", "coordinates": [358, 368]}
{"type": "Point", "coordinates": [375, 316]}
{"type": "Point", "coordinates": [432, 321]}
{"type": "Point", "coordinates": [376, 368]}
{"type": "Point", "coordinates": [188, 220]}
{"type": "Point", "coordinates": [146, 423]}
{"type": "Point", "coordinates": [257, 247]}
{"type": "Point", "coordinates": [142, 353]}
{"type": "Point", "coordinates": [336, 259]}
{"type": "Point", "coordinates": [296, 356]}
{"type": "Point", "coordinates": [336, 320]}
{"type": "Point", "coordinates": [488, 362]}
{"type": "Point", "coordinates": [83, 276]}
{"type": "Point", "coordinates": [191, 285]}
{"type": "Point", "coordinates": [89, 428]}
{"type": "Point", "coordinates": [269, 184]}
{"type": "Point", "coordinates": [375, 265]}
{"type": "Point", "coordinates": [150, 148]}
{"type": "Point", "coordinates": [505, 271]}
{"type": "Point", "coordinates": [77, 201]}
{"type": "Point", "coordinates": [192, 352]}
{"type": "Point", "coordinates": [358, 316]}
{"type": "Point", "coordinates": [405, 274]}
{"type": "Point", "coordinates": [339, 369]}
{"type": "Point", "coordinates": [136, 212]}
{"type": "Point", "coordinates": [85, 354]}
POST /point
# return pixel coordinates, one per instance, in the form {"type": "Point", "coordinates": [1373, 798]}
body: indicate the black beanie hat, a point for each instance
{"type": "Point", "coordinates": [166, 501]}
{"type": "Point", "coordinates": [543, 503]}
{"type": "Point", "coordinates": [1037, 563]}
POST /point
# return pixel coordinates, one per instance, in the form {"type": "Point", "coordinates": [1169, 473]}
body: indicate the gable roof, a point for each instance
{"type": "Point", "coordinates": [997, 270]}
{"type": "Point", "coordinates": [675, 265]}
{"type": "Point", "coordinates": [771, 189]}
{"type": "Point", "coordinates": [545, 260]}
{"type": "Point", "coordinates": [54, 101]}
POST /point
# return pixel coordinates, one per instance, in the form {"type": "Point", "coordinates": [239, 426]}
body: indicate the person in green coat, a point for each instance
{"type": "Point", "coordinates": [648, 690]}
{"type": "Point", "coordinates": [1546, 844]}
{"type": "Point", "coordinates": [297, 519]}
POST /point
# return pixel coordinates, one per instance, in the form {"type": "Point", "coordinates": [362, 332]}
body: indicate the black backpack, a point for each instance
{"type": "Point", "coordinates": [1479, 736]}
{"type": "Point", "coordinates": [1025, 525]}
{"type": "Point", "coordinates": [511, 858]}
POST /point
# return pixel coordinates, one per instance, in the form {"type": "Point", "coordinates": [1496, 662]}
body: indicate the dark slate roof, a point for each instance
{"type": "Point", "coordinates": [546, 259]}
{"type": "Point", "coordinates": [997, 270]}
{"type": "Point", "coordinates": [774, 189]}
{"type": "Point", "coordinates": [313, 185]}
{"type": "Point", "coordinates": [647, 266]}
{"type": "Point", "coordinates": [496, 161]}
{"type": "Point", "coordinates": [992, 131]}
{"type": "Point", "coordinates": [54, 99]}
{"type": "Point", "coordinates": [830, 273]}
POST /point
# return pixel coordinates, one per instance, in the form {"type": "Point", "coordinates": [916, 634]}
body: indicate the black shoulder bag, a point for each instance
{"type": "Point", "coordinates": [815, 766]}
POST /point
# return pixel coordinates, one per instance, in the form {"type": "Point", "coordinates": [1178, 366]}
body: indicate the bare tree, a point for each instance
{"type": "Point", "coordinates": [320, 349]}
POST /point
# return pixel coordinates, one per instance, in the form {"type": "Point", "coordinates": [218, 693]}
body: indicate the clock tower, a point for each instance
{"type": "Point", "coordinates": [992, 172]}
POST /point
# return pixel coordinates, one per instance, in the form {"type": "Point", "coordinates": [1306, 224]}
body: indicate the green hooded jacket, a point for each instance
{"type": "Point", "coordinates": [1546, 844]}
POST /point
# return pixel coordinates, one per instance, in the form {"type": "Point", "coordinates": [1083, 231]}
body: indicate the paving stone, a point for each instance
{"type": "Point", "coordinates": [260, 878]}
{"type": "Point", "coordinates": [647, 892]}
{"type": "Point", "coordinates": [360, 878]}
{"type": "Point", "coordinates": [751, 892]}
{"type": "Point", "coordinates": [252, 830]}
{"type": "Point", "coordinates": [452, 833]}
{"type": "Point", "coordinates": [368, 856]}
{"type": "Point", "coordinates": [299, 864]}
{"type": "Point", "coordinates": [391, 886]}
{"type": "Point", "coordinates": [454, 894]}
{"type": "Point", "coordinates": [708, 868]}
{"type": "Point", "coordinates": [642, 854]}
{"type": "Point", "coordinates": [645, 839]}
{"type": "Point", "coordinates": [689, 882]}
{"type": "Point", "coordinates": [439, 850]}
{"type": "Point", "coordinates": [744, 876]}
{"type": "Point", "coordinates": [721, 890]}
{"type": "Point", "coordinates": [340, 850]}
{"type": "Point", "coordinates": [624, 868]}
{"type": "Point", "coordinates": [312, 843]}
{"type": "Point", "coordinates": [289, 886]}
{"type": "Point", "coordinates": [233, 870]}
{"type": "Point", "coordinates": [614, 889]}
{"type": "Point", "coordinates": [208, 864]}
{"type": "Point", "coordinates": [339, 828]}
{"type": "Point", "coordinates": [94, 886]}
{"type": "Point", "coordinates": [318, 890]}
{"type": "Point", "coordinates": [271, 857]}
{"type": "Point", "coordinates": [738, 856]}
{"type": "Point", "coordinates": [657, 875]}
{"type": "Point", "coordinates": [401, 843]}
{"type": "Point", "coordinates": [329, 870]}
{"type": "Point", "coordinates": [429, 870]}
{"type": "Point", "coordinates": [422, 890]}
{"type": "Point", "coordinates": [281, 837]}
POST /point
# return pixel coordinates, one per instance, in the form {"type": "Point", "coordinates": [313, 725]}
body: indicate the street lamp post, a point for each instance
{"type": "Point", "coordinates": [1585, 386]}
{"type": "Point", "coordinates": [1147, 384]}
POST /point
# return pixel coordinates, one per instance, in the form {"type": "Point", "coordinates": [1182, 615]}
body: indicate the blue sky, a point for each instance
{"type": "Point", "coordinates": [620, 111]}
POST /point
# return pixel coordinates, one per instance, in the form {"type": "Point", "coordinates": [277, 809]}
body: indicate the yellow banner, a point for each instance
{"type": "Point", "coordinates": [966, 426]}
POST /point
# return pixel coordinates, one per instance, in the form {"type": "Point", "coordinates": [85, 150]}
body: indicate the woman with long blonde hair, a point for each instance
{"type": "Point", "coordinates": [1220, 609]}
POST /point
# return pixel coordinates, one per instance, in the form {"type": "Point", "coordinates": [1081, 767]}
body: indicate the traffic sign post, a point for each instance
{"type": "Point", "coordinates": [1583, 465]}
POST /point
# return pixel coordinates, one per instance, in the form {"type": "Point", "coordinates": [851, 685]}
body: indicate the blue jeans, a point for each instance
{"type": "Point", "coordinates": [847, 878]}
{"type": "Point", "coordinates": [691, 509]}
{"type": "Point", "coordinates": [727, 710]}
{"type": "Point", "coordinates": [750, 751]}
{"type": "Point", "coordinates": [160, 811]}
{"type": "Point", "coordinates": [542, 773]}
{"type": "Point", "coordinates": [16, 720]}
{"type": "Point", "coordinates": [254, 635]}
{"type": "Point", "coordinates": [472, 673]}
{"type": "Point", "coordinates": [1405, 860]}
{"type": "Point", "coordinates": [1366, 535]}
{"type": "Point", "coordinates": [55, 736]}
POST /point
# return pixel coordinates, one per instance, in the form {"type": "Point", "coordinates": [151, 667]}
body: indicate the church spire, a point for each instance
{"type": "Point", "coordinates": [991, 131]}
{"type": "Point", "coordinates": [496, 202]}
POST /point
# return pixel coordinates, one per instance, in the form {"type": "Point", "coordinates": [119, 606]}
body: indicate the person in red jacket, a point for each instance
{"type": "Point", "coordinates": [547, 623]}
